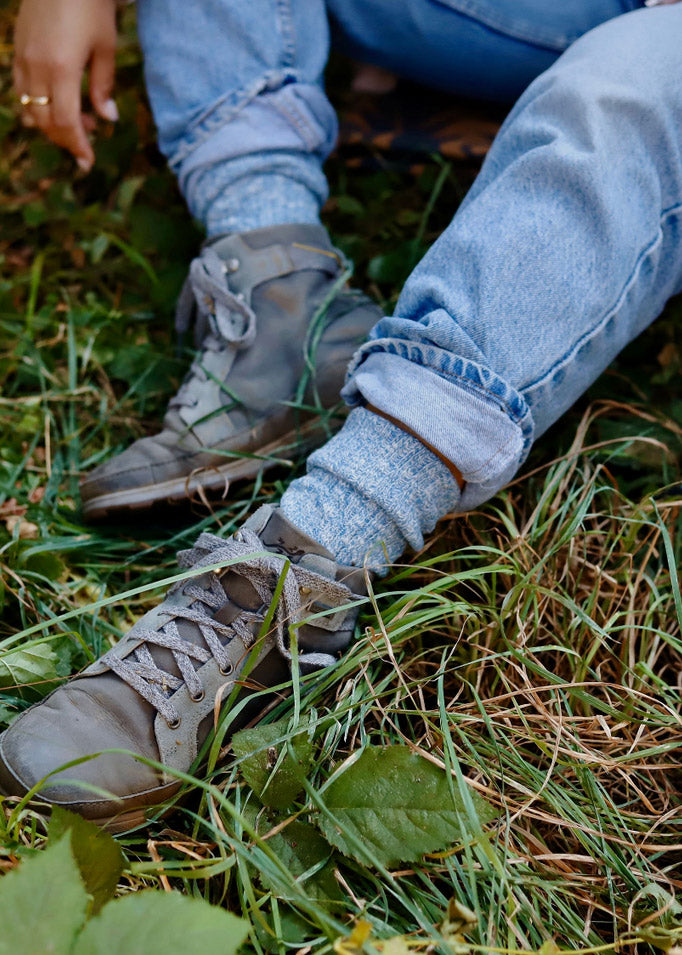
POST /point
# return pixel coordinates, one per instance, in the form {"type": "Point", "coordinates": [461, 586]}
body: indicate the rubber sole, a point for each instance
{"type": "Point", "coordinates": [216, 478]}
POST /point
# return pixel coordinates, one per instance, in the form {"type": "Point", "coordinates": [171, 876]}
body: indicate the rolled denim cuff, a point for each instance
{"type": "Point", "coordinates": [277, 112]}
{"type": "Point", "coordinates": [462, 409]}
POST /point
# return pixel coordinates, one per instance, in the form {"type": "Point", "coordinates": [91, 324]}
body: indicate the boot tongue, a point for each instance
{"type": "Point", "coordinates": [281, 537]}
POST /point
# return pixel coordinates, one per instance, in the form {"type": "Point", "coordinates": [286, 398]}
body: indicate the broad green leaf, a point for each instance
{"type": "Point", "coordinates": [7, 714]}
{"type": "Point", "coordinates": [256, 747]}
{"type": "Point", "coordinates": [43, 903]}
{"type": "Point", "coordinates": [29, 665]}
{"type": "Point", "coordinates": [300, 847]}
{"type": "Point", "coordinates": [397, 805]}
{"type": "Point", "coordinates": [97, 854]}
{"type": "Point", "coordinates": [161, 923]}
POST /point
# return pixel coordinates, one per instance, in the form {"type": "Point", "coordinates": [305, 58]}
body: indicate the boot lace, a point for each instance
{"type": "Point", "coordinates": [221, 315]}
{"type": "Point", "coordinates": [263, 571]}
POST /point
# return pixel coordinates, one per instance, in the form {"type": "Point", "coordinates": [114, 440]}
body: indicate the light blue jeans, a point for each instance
{"type": "Point", "coordinates": [568, 244]}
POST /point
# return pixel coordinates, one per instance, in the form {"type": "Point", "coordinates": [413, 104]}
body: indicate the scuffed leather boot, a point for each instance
{"type": "Point", "coordinates": [155, 693]}
{"type": "Point", "coordinates": [276, 327]}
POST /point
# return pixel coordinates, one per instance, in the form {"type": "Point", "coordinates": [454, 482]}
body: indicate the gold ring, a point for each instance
{"type": "Point", "coordinates": [27, 100]}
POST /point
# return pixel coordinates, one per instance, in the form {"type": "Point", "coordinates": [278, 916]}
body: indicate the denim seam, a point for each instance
{"type": "Point", "coordinates": [286, 24]}
{"type": "Point", "coordinates": [225, 109]}
{"type": "Point", "coordinates": [447, 375]}
{"type": "Point", "coordinates": [305, 129]}
{"type": "Point", "coordinates": [666, 214]}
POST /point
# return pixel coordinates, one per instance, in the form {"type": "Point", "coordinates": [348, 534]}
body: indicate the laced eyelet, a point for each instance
{"type": "Point", "coordinates": [227, 670]}
{"type": "Point", "coordinates": [199, 697]}
{"type": "Point", "coordinates": [174, 724]}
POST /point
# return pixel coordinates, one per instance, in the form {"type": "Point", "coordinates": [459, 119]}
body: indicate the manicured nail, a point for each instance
{"type": "Point", "coordinates": [110, 111]}
{"type": "Point", "coordinates": [83, 164]}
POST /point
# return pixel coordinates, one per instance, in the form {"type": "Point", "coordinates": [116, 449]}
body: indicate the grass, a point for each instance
{"type": "Point", "coordinates": [533, 648]}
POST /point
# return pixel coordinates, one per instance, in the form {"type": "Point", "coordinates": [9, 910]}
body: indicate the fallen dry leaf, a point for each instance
{"type": "Point", "coordinates": [10, 507]}
{"type": "Point", "coordinates": [27, 530]}
{"type": "Point", "coordinates": [36, 495]}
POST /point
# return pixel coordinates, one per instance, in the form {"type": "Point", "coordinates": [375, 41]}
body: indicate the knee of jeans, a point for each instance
{"type": "Point", "coordinates": [634, 58]}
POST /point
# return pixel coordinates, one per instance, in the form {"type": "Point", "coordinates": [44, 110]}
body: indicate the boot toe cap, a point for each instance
{"type": "Point", "coordinates": [58, 747]}
{"type": "Point", "coordinates": [146, 462]}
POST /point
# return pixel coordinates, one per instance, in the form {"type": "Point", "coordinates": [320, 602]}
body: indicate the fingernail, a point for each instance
{"type": "Point", "coordinates": [83, 164]}
{"type": "Point", "coordinates": [28, 121]}
{"type": "Point", "coordinates": [109, 110]}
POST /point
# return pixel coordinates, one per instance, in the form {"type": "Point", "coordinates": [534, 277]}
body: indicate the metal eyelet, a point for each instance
{"type": "Point", "coordinates": [199, 697]}
{"type": "Point", "coordinates": [305, 591]}
{"type": "Point", "coordinates": [174, 725]}
{"type": "Point", "coordinates": [240, 297]}
{"type": "Point", "coordinates": [227, 670]}
{"type": "Point", "coordinates": [232, 265]}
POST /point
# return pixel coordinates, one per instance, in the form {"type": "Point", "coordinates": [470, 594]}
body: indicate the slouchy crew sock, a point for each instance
{"type": "Point", "coordinates": [259, 201]}
{"type": "Point", "coordinates": [241, 194]}
{"type": "Point", "coordinates": [371, 491]}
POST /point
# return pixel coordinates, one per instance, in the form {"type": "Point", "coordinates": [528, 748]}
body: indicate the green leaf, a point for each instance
{"type": "Point", "coordinates": [260, 756]}
{"type": "Point", "coordinates": [97, 854]}
{"type": "Point", "coordinates": [300, 847]}
{"type": "Point", "coordinates": [397, 805]}
{"type": "Point", "coordinates": [161, 923]}
{"type": "Point", "coordinates": [43, 903]}
{"type": "Point", "coordinates": [29, 665]}
{"type": "Point", "coordinates": [7, 714]}
{"type": "Point", "coordinates": [394, 266]}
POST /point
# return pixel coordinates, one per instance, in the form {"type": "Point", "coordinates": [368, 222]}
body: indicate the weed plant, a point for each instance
{"type": "Point", "coordinates": [532, 649]}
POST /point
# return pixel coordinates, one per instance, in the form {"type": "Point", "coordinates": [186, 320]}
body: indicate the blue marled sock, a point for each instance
{"type": "Point", "coordinates": [238, 195]}
{"type": "Point", "coordinates": [259, 201]}
{"type": "Point", "coordinates": [370, 491]}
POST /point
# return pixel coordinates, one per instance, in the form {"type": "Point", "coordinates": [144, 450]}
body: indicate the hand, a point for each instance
{"type": "Point", "coordinates": [54, 42]}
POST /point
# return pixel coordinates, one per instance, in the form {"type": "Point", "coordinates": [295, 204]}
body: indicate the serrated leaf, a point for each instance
{"type": "Point", "coordinates": [260, 756]}
{"type": "Point", "coordinates": [161, 923]}
{"type": "Point", "coordinates": [397, 805]}
{"type": "Point", "coordinates": [300, 847]}
{"type": "Point", "coordinates": [29, 665]}
{"type": "Point", "coordinates": [43, 903]}
{"type": "Point", "coordinates": [97, 854]}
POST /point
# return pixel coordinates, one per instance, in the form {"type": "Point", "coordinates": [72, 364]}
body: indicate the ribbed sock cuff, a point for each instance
{"type": "Point", "coordinates": [370, 491]}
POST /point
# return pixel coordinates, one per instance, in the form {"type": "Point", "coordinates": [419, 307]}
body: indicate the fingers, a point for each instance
{"type": "Point", "coordinates": [64, 125]}
{"type": "Point", "coordinates": [102, 68]}
{"type": "Point", "coordinates": [20, 87]}
{"type": "Point", "coordinates": [60, 119]}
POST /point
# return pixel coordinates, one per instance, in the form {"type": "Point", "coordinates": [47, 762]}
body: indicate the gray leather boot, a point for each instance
{"type": "Point", "coordinates": [276, 326]}
{"type": "Point", "coordinates": [155, 693]}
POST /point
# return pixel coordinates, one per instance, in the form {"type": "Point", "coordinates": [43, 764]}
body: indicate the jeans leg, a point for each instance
{"type": "Point", "coordinates": [483, 48]}
{"type": "Point", "coordinates": [237, 96]}
{"type": "Point", "coordinates": [568, 245]}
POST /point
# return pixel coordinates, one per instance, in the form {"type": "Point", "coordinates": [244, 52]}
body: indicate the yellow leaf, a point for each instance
{"type": "Point", "coordinates": [352, 944]}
